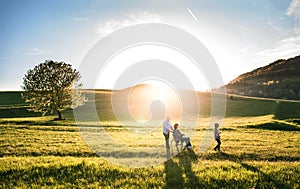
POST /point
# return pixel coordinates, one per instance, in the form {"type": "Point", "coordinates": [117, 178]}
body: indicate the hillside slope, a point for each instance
{"type": "Point", "coordinates": [280, 79]}
{"type": "Point", "coordinates": [12, 106]}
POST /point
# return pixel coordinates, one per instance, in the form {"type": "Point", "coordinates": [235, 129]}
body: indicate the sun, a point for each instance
{"type": "Point", "coordinates": [152, 100]}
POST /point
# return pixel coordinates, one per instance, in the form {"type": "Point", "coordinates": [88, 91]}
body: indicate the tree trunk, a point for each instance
{"type": "Point", "coordinates": [59, 115]}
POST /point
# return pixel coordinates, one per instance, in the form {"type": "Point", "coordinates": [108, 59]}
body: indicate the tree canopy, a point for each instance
{"type": "Point", "coordinates": [52, 87]}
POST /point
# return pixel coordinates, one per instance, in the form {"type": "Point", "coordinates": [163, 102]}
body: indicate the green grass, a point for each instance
{"type": "Point", "coordinates": [11, 98]}
{"type": "Point", "coordinates": [12, 105]}
{"type": "Point", "coordinates": [247, 107]}
{"type": "Point", "coordinates": [259, 150]}
{"type": "Point", "coordinates": [37, 155]}
{"type": "Point", "coordinates": [181, 172]}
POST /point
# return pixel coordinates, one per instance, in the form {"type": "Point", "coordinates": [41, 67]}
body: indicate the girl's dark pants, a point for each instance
{"type": "Point", "coordinates": [218, 145]}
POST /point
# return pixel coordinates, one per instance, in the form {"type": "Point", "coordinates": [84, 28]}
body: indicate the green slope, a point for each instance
{"type": "Point", "coordinates": [12, 105]}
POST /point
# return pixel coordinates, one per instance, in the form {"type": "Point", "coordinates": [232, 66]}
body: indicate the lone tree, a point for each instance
{"type": "Point", "coordinates": [52, 87]}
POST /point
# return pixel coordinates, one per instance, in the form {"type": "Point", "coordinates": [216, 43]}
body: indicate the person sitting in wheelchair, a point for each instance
{"type": "Point", "coordinates": [178, 136]}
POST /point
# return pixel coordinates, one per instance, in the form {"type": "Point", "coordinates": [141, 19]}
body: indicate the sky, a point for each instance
{"type": "Point", "coordinates": [240, 35]}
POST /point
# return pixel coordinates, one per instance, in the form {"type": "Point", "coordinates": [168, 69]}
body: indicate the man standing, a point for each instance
{"type": "Point", "coordinates": [167, 128]}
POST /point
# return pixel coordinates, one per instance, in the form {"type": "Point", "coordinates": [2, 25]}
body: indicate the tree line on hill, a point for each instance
{"type": "Point", "coordinates": [280, 80]}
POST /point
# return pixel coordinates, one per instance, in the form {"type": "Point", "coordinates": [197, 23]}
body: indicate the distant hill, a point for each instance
{"type": "Point", "coordinates": [13, 106]}
{"type": "Point", "coordinates": [280, 80]}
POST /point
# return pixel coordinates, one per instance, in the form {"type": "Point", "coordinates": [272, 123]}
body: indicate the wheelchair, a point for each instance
{"type": "Point", "coordinates": [177, 143]}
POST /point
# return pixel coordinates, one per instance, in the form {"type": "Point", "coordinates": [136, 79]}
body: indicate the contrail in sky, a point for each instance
{"type": "Point", "coordinates": [195, 18]}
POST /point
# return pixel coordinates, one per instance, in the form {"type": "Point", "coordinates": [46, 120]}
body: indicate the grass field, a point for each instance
{"type": "Point", "coordinates": [260, 149]}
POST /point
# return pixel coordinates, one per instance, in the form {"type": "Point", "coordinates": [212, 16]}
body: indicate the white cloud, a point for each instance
{"type": "Point", "coordinates": [274, 26]}
{"type": "Point", "coordinates": [294, 8]}
{"type": "Point", "coordinates": [285, 48]}
{"type": "Point", "coordinates": [131, 19]}
{"type": "Point", "coordinates": [37, 51]}
{"type": "Point", "coordinates": [248, 48]}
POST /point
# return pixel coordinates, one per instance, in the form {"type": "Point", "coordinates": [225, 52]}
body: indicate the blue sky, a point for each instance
{"type": "Point", "coordinates": [241, 35]}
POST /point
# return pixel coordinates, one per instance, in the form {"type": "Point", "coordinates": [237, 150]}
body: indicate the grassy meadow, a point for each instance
{"type": "Point", "coordinates": [260, 149]}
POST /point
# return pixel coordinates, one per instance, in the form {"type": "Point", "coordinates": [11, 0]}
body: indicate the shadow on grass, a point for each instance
{"type": "Point", "coordinates": [287, 110]}
{"type": "Point", "coordinates": [74, 176]}
{"type": "Point", "coordinates": [49, 153]}
{"type": "Point", "coordinates": [17, 113]}
{"type": "Point", "coordinates": [265, 180]}
{"type": "Point", "coordinates": [175, 171]}
{"type": "Point", "coordinates": [174, 178]}
{"type": "Point", "coordinates": [38, 123]}
{"type": "Point", "coordinates": [130, 155]}
{"type": "Point", "coordinates": [296, 121]}
{"type": "Point", "coordinates": [221, 156]}
{"type": "Point", "coordinates": [275, 126]}
{"type": "Point", "coordinates": [247, 157]}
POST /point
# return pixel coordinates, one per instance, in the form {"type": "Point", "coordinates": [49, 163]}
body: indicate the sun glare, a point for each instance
{"type": "Point", "coordinates": [152, 100]}
{"type": "Point", "coordinates": [130, 57]}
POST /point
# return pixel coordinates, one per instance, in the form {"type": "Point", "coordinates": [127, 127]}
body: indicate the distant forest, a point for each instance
{"type": "Point", "coordinates": [280, 80]}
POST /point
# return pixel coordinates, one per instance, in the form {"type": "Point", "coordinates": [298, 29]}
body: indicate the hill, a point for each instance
{"type": "Point", "coordinates": [12, 106]}
{"type": "Point", "coordinates": [259, 150]}
{"type": "Point", "coordinates": [279, 80]}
